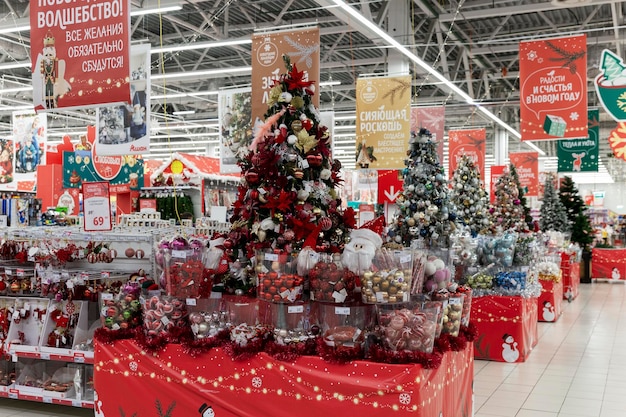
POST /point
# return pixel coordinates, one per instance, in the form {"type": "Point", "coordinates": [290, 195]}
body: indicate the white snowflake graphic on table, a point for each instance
{"type": "Point", "coordinates": [540, 60]}
{"type": "Point", "coordinates": [133, 366]}
{"type": "Point", "coordinates": [405, 398]}
{"type": "Point", "coordinates": [532, 55]}
{"type": "Point", "coordinates": [257, 382]}
{"type": "Point", "coordinates": [574, 115]}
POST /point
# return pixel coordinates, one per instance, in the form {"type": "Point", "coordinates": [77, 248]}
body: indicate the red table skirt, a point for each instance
{"type": "Point", "coordinates": [608, 263]}
{"type": "Point", "coordinates": [571, 276]}
{"type": "Point", "coordinates": [129, 380]}
{"type": "Point", "coordinates": [507, 327]}
{"type": "Point", "coordinates": [550, 301]}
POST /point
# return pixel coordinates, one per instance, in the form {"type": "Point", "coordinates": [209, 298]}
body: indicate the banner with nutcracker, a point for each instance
{"type": "Point", "coordinates": [268, 49]}
{"type": "Point", "coordinates": [527, 166]}
{"type": "Point", "coordinates": [79, 53]}
{"type": "Point", "coordinates": [470, 142]}
{"type": "Point", "coordinates": [383, 122]}
{"type": "Point", "coordinates": [553, 87]}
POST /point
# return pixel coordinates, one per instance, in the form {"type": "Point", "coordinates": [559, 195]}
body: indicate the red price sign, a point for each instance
{"type": "Point", "coordinates": [96, 206]}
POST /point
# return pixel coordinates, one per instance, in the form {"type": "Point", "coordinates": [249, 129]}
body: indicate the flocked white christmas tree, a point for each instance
{"type": "Point", "coordinates": [553, 212]}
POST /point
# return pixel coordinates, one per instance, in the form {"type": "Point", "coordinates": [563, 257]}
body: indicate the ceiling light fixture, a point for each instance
{"type": "Point", "coordinates": [16, 89]}
{"type": "Point", "coordinates": [329, 83]}
{"type": "Point", "coordinates": [355, 14]}
{"type": "Point", "coordinates": [183, 112]}
{"type": "Point", "coordinates": [204, 45]}
{"type": "Point", "coordinates": [220, 71]}
{"type": "Point", "coordinates": [177, 94]}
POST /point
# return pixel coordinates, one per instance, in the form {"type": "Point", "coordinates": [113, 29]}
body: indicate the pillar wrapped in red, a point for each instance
{"type": "Point", "coordinates": [550, 300]}
{"type": "Point", "coordinates": [507, 327]}
{"type": "Point", "coordinates": [571, 275]}
{"type": "Point", "coordinates": [129, 381]}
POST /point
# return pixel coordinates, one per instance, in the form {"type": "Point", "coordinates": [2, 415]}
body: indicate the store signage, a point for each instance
{"type": "Point", "coordinates": [302, 46]}
{"type": "Point", "coordinates": [496, 172]}
{"type": "Point", "coordinates": [147, 205]}
{"type": "Point", "coordinates": [553, 88]}
{"type": "Point", "coordinates": [581, 155]}
{"type": "Point", "coordinates": [527, 167]}
{"type": "Point", "coordinates": [79, 53]}
{"type": "Point", "coordinates": [20, 157]}
{"type": "Point", "coordinates": [390, 185]}
{"type": "Point", "coordinates": [433, 119]}
{"type": "Point", "coordinates": [123, 172]}
{"type": "Point", "coordinates": [96, 206]}
{"type": "Point", "coordinates": [234, 114]}
{"type": "Point", "coordinates": [470, 142]}
{"type": "Point", "coordinates": [383, 122]}
{"type": "Point", "coordinates": [611, 85]}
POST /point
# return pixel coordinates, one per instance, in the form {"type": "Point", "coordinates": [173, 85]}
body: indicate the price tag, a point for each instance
{"type": "Point", "coordinates": [45, 356]}
{"type": "Point", "coordinates": [8, 271]}
{"type": "Point", "coordinates": [77, 403]}
{"type": "Point", "coordinates": [14, 357]}
{"type": "Point", "coordinates": [79, 359]}
{"type": "Point", "coordinates": [179, 254]}
{"type": "Point", "coordinates": [106, 296]}
{"type": "Point", "coordinates": [271, 257]}
{"type": "Point", "coordinates": [13, 395]}
{"type": "Point", "coordinates": [97, 206]}
{"type": "Point", "coordinates": [47, 400]}
{"type": "Point", "coordinates": [342, 311]}
{"type": "Point", "coordinates": [105, 274]}
{"type": "Point", "coordinates": [295, 309]}
{"type": "Point", "coordinates": [455, 300]}
{"type": "Point", "coordinates": [405, 259]}
{"type": "Point", "coordinates": [19, 272]}
{"type": "Point", "coordinates": [191, 301]}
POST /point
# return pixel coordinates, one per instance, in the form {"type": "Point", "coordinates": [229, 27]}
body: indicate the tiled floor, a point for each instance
{"type": "Point", "coordinates": [578, 368]}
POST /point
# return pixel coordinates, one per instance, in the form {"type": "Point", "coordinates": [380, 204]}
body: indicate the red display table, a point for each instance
{"type": "Point", "coordinates": [608, 263]}
{"type": "Point", "coordinates": [507, 327]}
{"type": "Point", "coordinates": [550, 301]}
{"type": "Point", "coordinates": [129, 380]}
{"type": "Point", "coordinates": [571, 276]}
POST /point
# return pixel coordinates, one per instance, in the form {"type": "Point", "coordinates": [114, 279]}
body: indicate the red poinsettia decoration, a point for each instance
{"type": "Point", "coordinates": [296, 79]}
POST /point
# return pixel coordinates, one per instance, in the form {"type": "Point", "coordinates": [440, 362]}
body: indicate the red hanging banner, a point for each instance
{"type": "Point", "coordinates": [527, 166]}
{"type": "Point", "coordinates": [553, 88]}
{"type": "Point", "coordinates": [390, 185]}
{"type": "Point", "coordinates": [79, 53]}
{"type": "Point", "coordinates": [469, 142]}
{"type": "Point", "coordinates": [433, 119]}
{"type": "Point", "coordinates": [496, 172]}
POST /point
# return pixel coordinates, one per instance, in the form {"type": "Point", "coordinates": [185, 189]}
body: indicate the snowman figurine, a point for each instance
{"type": "Point", "coordinates": [615, 275]}
{"type": "Point", "coordinates": [510, 353]}
{"type": "Point", "coordinates": [359, 252]}
{"type": "Point", "coordinates": [548, 311]}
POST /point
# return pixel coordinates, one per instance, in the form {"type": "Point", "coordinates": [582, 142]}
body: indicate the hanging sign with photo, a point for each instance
{"type": "Point", "coordinates": [383, 122]}
{"type": "Point", "coordinates": [470, 142]}
{"type": "Point", "coordinates": [79, 53]}
{"type": "Point", "coordinates": [527, 167]}
{"type": "Point", "coordinates": [234, 114]}
{"type": "Point", "coordinates": [553, 88]}
{"type": "Point", "coordinates": [29, 140]}
{"type": "Point", "coordinates": [581, 155]}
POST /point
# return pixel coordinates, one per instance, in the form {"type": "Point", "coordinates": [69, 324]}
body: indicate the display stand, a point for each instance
{"type": "Point", "coordinates": [550, 301]}
{"type": "Point", "coordinates": [507, 327]}
{"type": "Point", "coordinates": [571, 276]}
{"type": "Point", "coordinates": [608, 264]}
{"type": "Point", "coordinates": [263, 386]}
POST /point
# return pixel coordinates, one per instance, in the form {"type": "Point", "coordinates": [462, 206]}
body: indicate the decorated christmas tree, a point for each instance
{"type": "Point", "coordinates": [290, 180]}
{"type": "Point", "coordinates": [507, 211]}
{"type": "Point", "coordinates": [553, 213]}
{"type": "Point", "coordinates": [528, 219]}
{"type": "Point", "coordinates": [425, 209]}
{"type": "Point", "coordinates": [582, 232]}
{"type": "Point", "coordinates": [469, 196]}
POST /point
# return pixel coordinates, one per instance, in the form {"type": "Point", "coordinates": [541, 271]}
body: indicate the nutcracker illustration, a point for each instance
{"type": "Point", "coordinates": [52, 70]}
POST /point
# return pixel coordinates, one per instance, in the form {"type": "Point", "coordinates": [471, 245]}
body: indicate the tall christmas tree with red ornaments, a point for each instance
{"type": "Point", "coordinates": [290, 181]}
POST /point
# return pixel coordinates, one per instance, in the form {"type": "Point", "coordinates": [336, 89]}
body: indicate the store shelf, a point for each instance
{"type": "Point", "coordinates": [75, 357]}
{"type": "Point", "coordinates": [15, 394]}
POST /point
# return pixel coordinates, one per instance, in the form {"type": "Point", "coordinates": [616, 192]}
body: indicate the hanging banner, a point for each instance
{"type": "Point", "coordinates": [124, 129]}
{"type": "Point", "coordinates": [611, 85]}
{"type": "Point", "coordinates": [30, 140]}
{"type": "Point", "coordinates": [470, 142]}
{"type": "Point", "coordinates": [553, 87]}
{"type": "Point", "coordinates": [527, 166]}
{"type": "Point", "coordinates": [124, 173]}
{"type": "Point", "coordinates": [581, 155]}
{"type": "Point", "coordinates": [7, 173]}
{"type": "Point", "coordinates": [496, 172]}
{"type": "Point", "coordinates": [234, 113]}
{"type": "Point", "coordinates": [79, 53]}
{"type": "Point", "coordinates": [433, 119]}
{"type": "Point", "coordinates": [96, 206]}
{"type": "Point", "coordinates": [302, 46]}
{"type": "Point", "coordinates": [383, 122]}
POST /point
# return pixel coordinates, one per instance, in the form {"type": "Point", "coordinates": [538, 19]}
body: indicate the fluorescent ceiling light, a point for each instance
{"type": "Point", "coordinates": [329, 83]}
{"type": "Point", "coordinates": [353, 117]}
{"type": "Point", "coordinates": [219, 71]}
{"type": "Point", "coordinates": [345, 127]}
{"type": "Point", "coordinates": [183, 112]}
{"type": "Point", "coordinates": [13, 65]}
{"type": "Point", "coordinates": [181, 95]}
{"type": "Point", "coordinates": [14, 108]}
{"type": "Point", "coordinates": [164, 9]}
{"type": "Point", "coordinates": [16, 89]}
{"type": "Point", "coordinates": [203, 45]}
{"type": "Point", "coordinates": [14, 29]}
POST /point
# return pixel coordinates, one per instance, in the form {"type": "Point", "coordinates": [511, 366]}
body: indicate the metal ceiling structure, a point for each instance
{"type": "Point", "coordinates": [473, 43]}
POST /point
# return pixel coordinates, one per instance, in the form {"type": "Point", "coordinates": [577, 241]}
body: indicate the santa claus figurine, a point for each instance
{"type": "Point", "coordinates": [359, 252]}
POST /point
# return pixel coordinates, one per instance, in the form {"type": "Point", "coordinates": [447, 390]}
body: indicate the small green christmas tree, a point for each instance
{"type": "Point", "coordinates": [553, 212]}
{"type": "Point", "coordinates": [469, 196]}
{"type": "Point", "coordinates": [582, 232]}
{"type": "Point", "coordinates": [528, 219]}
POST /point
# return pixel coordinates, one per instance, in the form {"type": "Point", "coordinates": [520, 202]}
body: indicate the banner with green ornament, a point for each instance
{"type": "Point", "coordinates": [581, 155]}
{"type": "Point", "coordinates": [611, 85]}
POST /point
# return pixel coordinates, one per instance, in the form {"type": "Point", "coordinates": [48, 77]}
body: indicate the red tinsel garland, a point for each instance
{"type": "Point", "coordinates": [338, 354]}
{"type": "Point", "coordinates": [198, 347]}
{"type": "Point", "coordinates": [427, 360]}
{"type": "Point", "coordinates": [241, 353]}
{"type": "Point", "coordinates": [108, 337]}
{"type": "Point", "coordinates": [292, 351]}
